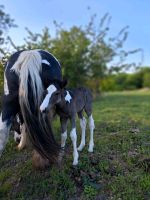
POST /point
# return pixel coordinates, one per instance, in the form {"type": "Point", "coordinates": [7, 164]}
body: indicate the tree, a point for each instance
{"type": "Point", "coordinates": [71, 48]}
{"type": "Point", "coordinates": [5, 24]}
{"type": "Point", "coordinates": [85, 53]}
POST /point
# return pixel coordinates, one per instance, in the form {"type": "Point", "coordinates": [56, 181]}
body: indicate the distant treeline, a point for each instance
{"type": "Point", "coordinates": [89, 55]}
{"type": "Point", "coordinates": [125, 81]}
{"type": "Point", "coordinates": [113, 82]}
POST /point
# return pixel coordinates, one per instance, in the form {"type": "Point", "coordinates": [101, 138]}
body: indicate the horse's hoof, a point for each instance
{"type": "Point", "coordinates": [38, 161]}
{"type": "Point", "coordinates": [90, 150]}
{"type": "Point", "coordinates": [19, 148]}
{"type": "Point", "coordinates": [80, 148]}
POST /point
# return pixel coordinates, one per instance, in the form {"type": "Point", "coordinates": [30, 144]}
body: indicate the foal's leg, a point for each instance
{"type": "Point", "coordinates": [73, 136]}
{"type": "Point", "coordinates": [88, 110]}
{"type": "Point", "coordinates": [64, 122]}
{"type": "Point", "coordinates": [83, 128]}
{"type": "Point", "coordinates": [91, 126]}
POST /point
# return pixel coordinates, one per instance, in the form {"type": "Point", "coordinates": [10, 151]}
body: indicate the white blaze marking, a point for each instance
{"type": "Point", "coordinates": [51, 89]}
{"type": "Point", "coordinates": [45, 62]}
{"type": "Point", "coordinates": [68, 97]}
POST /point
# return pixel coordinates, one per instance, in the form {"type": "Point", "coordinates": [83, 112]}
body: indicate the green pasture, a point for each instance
{"type": "Point", "coordinates": [119, 168]}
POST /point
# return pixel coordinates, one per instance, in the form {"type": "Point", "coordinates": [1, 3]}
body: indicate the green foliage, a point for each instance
{"type": "Point", "coordinates": [124, 81]}
{"type": "Point", "coordinates": [89, 192]}
{"type": "Point", "coordinates": [85, 53]}
{"type": "Point", "coordinates": [134, 81]}
{"type": "Point", "coordinates": [71, 48]}
{"type": "Point", "coordinates": [146, 77]}
{"type": "Point", "coordinates": [5, 24]}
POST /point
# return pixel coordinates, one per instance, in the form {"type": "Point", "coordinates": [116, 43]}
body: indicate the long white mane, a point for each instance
{"type": "Point", "coordinates": [29, 63]}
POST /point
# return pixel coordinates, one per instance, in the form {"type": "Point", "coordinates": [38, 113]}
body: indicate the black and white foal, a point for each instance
{"type": "Point", "coordinates": [69, 103]}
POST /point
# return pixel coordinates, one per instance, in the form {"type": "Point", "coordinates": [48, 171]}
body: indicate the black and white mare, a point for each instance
{"type": "Point", "coordinates": [27, 74]}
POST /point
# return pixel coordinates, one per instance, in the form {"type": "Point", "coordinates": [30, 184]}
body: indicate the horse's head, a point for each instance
{"type": "Point", "coordinates": [53, 95]}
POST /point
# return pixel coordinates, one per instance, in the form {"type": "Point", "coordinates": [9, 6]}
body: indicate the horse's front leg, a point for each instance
{"type": "Point", "coordinates": [23, 141]}
{"type": "Point", "coordinates": [4, 132]}
{"type": "Point", "coordinates": [8, 113]}
{"type": "Point", "coordinates": [73, 136]}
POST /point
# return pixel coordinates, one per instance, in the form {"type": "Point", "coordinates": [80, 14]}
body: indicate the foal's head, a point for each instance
{"type": "Point", "coordinates": [53, 95]}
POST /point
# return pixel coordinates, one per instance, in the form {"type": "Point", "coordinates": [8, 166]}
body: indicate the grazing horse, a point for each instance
{"type": "Point", "coordinates": [27, 74]}
{"type": "Point", "coordinates": [69, 103]}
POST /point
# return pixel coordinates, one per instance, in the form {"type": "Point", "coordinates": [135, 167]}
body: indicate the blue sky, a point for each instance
{"type": "Point", "coordinates": [36, 14]}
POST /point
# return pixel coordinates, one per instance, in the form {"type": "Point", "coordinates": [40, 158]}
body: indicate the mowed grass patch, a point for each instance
{"type": "Point", "coordinates": [119, 168]}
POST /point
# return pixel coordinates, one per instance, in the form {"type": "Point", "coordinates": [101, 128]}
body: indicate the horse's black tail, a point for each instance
{"type": "Point", "coordinates": [28, 67]}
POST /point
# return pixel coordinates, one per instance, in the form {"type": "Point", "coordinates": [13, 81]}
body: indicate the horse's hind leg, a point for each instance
{"type": "Point", "coordinates": [83, 128]}
{"type": "Point", "coordinates": [91, 126]}
{"type": "Point", "coordinates": [73, 136]}
{"type": "Point", "coordinates": [88, 110]}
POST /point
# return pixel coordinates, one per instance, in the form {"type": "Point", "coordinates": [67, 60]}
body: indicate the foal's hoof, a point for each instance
{"type": "Point", "coordinates": [80, 148]}
{"type": "Point", "coordinates": [75, 163]}
{"type": "Point", "coordinates": [90, 149]}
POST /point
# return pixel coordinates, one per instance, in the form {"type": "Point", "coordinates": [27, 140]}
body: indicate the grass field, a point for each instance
{"type": "Point", "coordinates": [119, 168]}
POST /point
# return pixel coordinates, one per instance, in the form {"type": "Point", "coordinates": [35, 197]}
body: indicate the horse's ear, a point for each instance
{"type": "Point", "coordinates": [64, 83]}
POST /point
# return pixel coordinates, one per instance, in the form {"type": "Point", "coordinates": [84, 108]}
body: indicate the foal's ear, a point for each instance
{"type": "Point", "coordinates": [63, 83]}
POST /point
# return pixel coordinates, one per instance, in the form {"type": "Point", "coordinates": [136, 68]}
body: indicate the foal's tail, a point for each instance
{"type": "Point", "coordinates": [28, 67]}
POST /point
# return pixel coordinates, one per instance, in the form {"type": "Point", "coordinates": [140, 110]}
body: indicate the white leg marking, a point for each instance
{"type": "Point", "coordinates": [83, 127]}
{"type": "Point", "coordinates": [63, 139]}
{"type": "Point", "coordinates": [73, 136]}
{"type": "Point", "coordinates": [91, 126]}
{"type": "Point", "coordinates": [23, 140]}
{"type": "Point", "coordinates": [4, 132]}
